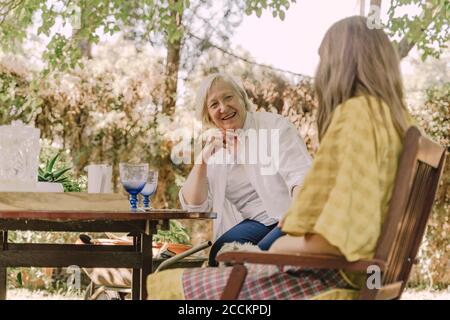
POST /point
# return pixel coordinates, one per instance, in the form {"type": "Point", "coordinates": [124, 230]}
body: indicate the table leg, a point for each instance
{"type": "Point", "coordinates": [147, 263]}
{"type": "Point", "coordinates": [136, 275]}
{"type": "Point", "coordinates": [3, 271]}
{"type": "Point", "coordinates": [3, 240]}
{"type": "Point", "coordinates": [3, 283]}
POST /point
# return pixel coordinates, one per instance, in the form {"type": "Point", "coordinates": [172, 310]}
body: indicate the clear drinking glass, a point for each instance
{"type": "Point", "coordinates": [133, 178]}
{"type": "Point", "coordinates": [150, 187]}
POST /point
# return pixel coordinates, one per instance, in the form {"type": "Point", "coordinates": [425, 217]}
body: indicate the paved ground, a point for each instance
{"type": "Point", "coordinates": [24, 294]}
{"type": "Point", "coordinates": [426, 295]}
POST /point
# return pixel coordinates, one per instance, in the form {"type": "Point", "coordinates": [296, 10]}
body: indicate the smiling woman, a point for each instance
{"type": "Point", "coordinates": [247, 199]}
{"type": "Point", "coordinates": [219, 99]}
{"type": "Point", "coordinates": [225, 108]}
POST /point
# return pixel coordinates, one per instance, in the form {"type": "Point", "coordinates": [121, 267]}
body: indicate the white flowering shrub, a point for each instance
{"type": "Point", "coordinates": [434, 255]}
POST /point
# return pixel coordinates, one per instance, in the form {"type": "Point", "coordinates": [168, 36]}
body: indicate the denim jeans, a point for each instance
{"type": "Point", "coordinates": [246, 231]}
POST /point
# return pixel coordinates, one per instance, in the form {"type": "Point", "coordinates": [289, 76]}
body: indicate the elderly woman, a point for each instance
{"type": "Point", "coordinates": [248, 196]}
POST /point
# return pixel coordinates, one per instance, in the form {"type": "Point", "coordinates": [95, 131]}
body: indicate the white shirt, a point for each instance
{"type": "Point", "coordinates": [240, 192]}
{"type": "Point", "coordinates": [273, 178]}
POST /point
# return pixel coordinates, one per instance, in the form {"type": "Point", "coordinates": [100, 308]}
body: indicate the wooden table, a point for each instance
{"type": "Point", "coordinates": [141, 225]}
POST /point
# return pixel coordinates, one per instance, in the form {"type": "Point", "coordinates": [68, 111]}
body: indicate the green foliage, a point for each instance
{"type": "Point", "coordinates": [164, 19]}
{"type": "Point", "coordinates": [57, 168]}
{"type": "Point", "coordinates": [176, 234]}
{"type": "Point", "coordinates": [434, 253]}
{"type": "Point", "coordinates": [438, 104]}
{"type": "Point", "coordinates": [62, 54]}
{"type": "Point", "coordinates": [429, 30]}
{"type": "Point", "coordinates": [49, 174]}
{"type": "Point", "coordinates": [89, 17]}
{"type": "Point", "coordinates": [17, 97]}
{"type": "Point", "coordinates": [277, 7]}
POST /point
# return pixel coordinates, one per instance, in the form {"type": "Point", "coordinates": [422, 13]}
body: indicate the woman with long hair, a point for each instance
{"type": "Point", "coordinates": [344, 199]}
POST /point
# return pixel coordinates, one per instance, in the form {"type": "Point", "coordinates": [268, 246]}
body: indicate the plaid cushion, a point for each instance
{"type": "Point", "coordinates": [262, 283]}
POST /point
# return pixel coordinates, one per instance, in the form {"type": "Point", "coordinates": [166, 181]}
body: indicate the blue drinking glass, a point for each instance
{"type": "Point", "coordinates": [150, 187]}
{"type": "Point", "coordinates": [133, 178]}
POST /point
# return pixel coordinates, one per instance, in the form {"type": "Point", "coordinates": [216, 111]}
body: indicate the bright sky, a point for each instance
{"type": "Point", "coordinates": [292, 44]}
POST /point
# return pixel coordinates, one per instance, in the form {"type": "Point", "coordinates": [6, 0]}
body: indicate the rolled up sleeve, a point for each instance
{"type": "Point", "coordinates": [206, 206]}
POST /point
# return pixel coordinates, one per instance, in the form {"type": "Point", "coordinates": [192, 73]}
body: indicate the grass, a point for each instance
{"type": "Point", "coordinates": [25, 294]}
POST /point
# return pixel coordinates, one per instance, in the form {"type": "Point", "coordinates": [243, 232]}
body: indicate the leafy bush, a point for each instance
{"type": "Point", "coordinates": [434, 253]}
{"type": "Point", "coordinates": [176, 234]}
{"type": "Point", "coordinates": [58, 161]}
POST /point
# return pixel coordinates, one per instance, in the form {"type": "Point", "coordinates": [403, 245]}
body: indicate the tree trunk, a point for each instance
{"type": "Point", "coordinates": [171, 76]}
{"type": "Point", "coordinates": [362, 7]}
{"type": "Point", "coordinates": [375, 3]}
{"type": "Point", "coordinates": [166, 175]}
{"type": "Point", "coordinates": [85, 47]}
{"type": "Point", "coordinates": [84, 44]}
{"type": "Point", "coordinates": [172, 67]}
{"type": "Point", "coordinates": [404, 47]}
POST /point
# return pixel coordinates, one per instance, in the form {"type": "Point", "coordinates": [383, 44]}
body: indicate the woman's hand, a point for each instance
{"type": "Point", "coordinates": [281, 222]}
{"type": "Point", "coordinates": [295, 191]}
{"type": "Point", "coordinates": [213, 144]}
{"type": "Point", "coordinates": [216, 141]}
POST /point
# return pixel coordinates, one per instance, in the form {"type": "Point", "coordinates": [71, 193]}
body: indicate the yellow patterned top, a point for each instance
{"type": "Point", "coordinates": [346, 193]}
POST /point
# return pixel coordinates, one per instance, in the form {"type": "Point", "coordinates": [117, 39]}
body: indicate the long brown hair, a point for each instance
{"type": "Point", "coordinates": [357, 60]}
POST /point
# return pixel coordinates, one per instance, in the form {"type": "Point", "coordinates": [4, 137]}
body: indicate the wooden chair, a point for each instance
{"type": "Point", "coordinates": [420, 167]}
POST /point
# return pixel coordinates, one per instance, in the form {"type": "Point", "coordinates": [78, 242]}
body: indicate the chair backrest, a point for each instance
{"type": "Point", "coordinates": [420, 168]}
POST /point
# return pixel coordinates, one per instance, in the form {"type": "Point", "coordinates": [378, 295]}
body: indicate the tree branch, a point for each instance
{"type": "Point", "coordinates": [7, 7]}
{"type": "Point", "coordinates": [405, 46]}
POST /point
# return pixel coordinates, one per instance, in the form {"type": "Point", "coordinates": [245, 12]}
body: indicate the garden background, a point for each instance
{"type": "Point", "coordinates": [131, 97]}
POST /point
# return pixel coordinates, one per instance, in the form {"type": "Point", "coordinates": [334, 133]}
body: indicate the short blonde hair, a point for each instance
{"type": "Point", "coordinates": [201, 111]}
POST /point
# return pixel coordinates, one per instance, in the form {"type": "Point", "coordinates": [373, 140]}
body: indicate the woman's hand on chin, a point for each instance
{"type": "Point", "coordinates": [213, 144]}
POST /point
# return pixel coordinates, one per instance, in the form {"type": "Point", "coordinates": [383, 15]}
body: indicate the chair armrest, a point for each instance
{"type": "Point", "coordinates": [300, 260]}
